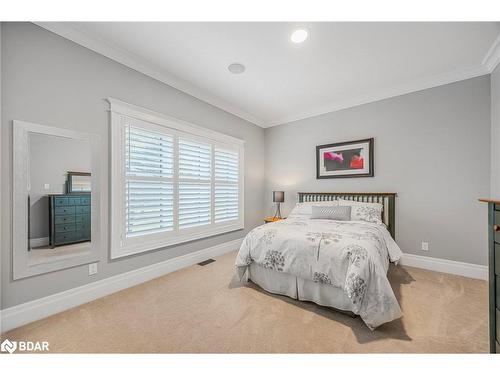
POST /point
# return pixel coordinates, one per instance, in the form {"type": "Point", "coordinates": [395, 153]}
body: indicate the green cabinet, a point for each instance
{"type": "Point", "coordinates": [494, 272]}
{"type": "Point", "coordinates": [69, 218]}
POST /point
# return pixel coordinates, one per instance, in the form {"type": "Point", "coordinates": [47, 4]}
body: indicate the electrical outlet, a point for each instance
{"type": "Point", "coordinates": [92, 268]}
{"type": "Point", "coordinates": [425, 246]}
{"type": "Point", "coordinates": [46, 186]}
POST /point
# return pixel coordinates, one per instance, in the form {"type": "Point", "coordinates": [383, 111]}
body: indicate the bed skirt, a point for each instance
{"type": "Point", "coordinates": [300, 289]}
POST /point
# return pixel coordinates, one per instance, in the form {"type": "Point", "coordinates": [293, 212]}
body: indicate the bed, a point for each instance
{"type": "Point", "coordinates": [341, 264]}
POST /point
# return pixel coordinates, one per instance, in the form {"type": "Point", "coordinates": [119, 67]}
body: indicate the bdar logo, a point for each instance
{"type": "Point", "coordinates": [8, 346]}
{"type": "Point", "coordinates": [24, 346]}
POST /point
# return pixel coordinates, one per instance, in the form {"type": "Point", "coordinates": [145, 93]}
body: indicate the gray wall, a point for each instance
{"type": "Point", "coordinates": [495, 133]}
{"type": "Point", "coordinates": [49, 80]}
{"type": "Point", "coordinates": [48, 167]}
{"type": "Point", "coordinates": [432, 147]}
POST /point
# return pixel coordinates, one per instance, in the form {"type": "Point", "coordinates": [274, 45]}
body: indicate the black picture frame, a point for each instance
{"type": "Point", "coordinates": [371, 171]}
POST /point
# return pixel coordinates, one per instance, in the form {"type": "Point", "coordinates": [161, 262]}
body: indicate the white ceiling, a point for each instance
{"type": "Point", "coordinates": [340, 65]}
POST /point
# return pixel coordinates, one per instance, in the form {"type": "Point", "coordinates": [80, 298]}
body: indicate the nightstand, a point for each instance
{"type": "Point", "coordinates": [272, 219]}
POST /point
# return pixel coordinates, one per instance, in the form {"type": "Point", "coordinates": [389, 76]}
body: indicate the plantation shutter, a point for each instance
{"type": "Point", "coordinates": [149, 193]}
{"type": "Point", "coordinates": [226, 185]}
{"type": "Point", "coordinates": [195, 190]}
{"type": "Point", "coordinates": [172, 182]}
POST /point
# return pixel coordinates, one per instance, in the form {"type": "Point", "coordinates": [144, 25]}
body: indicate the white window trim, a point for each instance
{"type": "Point", "coordinates": [118, 108]}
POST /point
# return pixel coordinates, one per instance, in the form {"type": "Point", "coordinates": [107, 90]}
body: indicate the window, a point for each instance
{"type": "Point", "coordinates": [195, 183]}
{"type": "Point", "coordinates": [226, 185]}
{"type": "Point", "coordinates": [149, 188]}
{"type": "Point", "coordinates": [171, 182]}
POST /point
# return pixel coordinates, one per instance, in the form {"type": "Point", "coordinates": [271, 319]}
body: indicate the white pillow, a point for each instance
{"type": "Point", "coordinates": [305, 208]}
{"type": "Point", "coordinates": [364, 211]}
{"type": "Point", "coordinates": [332, 212]}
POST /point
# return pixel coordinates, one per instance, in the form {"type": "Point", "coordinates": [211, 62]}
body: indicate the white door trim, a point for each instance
{"type": "Point", "coordinates": [1, 169]}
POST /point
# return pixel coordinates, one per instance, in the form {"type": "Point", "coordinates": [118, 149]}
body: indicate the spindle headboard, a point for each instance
{"type": "Point", "coordinates": [388, 201]}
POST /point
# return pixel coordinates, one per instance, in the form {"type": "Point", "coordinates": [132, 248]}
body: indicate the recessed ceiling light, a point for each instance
{"type": "Point", "coordinates": [299, 35]}
{"type": "Point", "coordinates": [236, 68]}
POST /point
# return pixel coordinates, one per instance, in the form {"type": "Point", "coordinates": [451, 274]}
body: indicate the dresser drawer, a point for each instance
{"type": "Point", "coordinates": [60, 201]}
{"type": "Point", "coordinates": [60, 228]}
{"type": "Point", "coordinates": [74, 201]}
{"type": "Point", "coordinates": [85, 218]}
{"type": "Point", "coordinates": [65, 210]}
{"type": "Point", "coordinates": [498, 323]}
{"type": "Point", "coordinates": [497, 222]}
{"type": "Point", "coordinates": [82, 209]}
{"type": "Point", "coordinates": [83, 226]}
{"type": "Point", "coordinates": [497, 259]}
{"type": "Point", "coordinates": [82, 236]}
{"type": "Point", "coordinates": [85, 201]}
{"type": "Point", "coordinates": [63, 219]}
{"type": "Point", "coordinates": [498, 291]}
{"type": "Point", "coordinates": [65, 237]}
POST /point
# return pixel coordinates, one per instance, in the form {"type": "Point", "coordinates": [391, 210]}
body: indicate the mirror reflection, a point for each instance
{"type": "Point", "coordinates": [79, 182]}
{"type": "Point", "coordinates": [59, 196]}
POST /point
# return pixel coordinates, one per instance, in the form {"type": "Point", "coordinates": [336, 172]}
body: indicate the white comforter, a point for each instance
{"type": "Point", "coordinates": [351, 255]}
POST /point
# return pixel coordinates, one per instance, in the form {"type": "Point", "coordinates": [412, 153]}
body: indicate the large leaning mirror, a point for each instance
{"type": "Point", "coordinates": [56, 213]}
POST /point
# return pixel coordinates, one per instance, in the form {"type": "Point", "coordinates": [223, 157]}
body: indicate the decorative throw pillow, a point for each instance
{"type": "Point", "coordinates": [364, 211]}
{"type": "Point", "coordinates": [331, 212]}
{"type": "Point", "coordinates": [305, 208]}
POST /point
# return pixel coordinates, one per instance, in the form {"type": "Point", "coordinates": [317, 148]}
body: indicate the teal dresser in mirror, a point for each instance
{"type": "Point", "coordinates": [69, 218]}
{"type": "Point", "coordinates": [494, 272]}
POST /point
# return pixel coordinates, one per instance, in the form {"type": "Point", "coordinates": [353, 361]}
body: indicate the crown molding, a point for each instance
{"type": "Point", "coordinates": [70, 32]}
{"type": "Point", "coordinates": [492, 57]}
{"type": "Point", "coordinates": [390, 92]}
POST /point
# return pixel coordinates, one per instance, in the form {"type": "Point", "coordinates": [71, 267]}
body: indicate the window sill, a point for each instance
{"type": "Point", "coordinates": [128, 250]}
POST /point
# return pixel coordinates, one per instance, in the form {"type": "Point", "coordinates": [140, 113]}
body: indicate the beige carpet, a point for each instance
{"type": "Point", "coordinates": [204, 310]}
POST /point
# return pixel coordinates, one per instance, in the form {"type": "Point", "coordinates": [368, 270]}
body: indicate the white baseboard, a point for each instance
{"type": "Point", "coordinates": [28, 312]}
{"type": "Point", "coordinates": [474, 271]}
{"type": "Point", "coordinates": [42, 241]}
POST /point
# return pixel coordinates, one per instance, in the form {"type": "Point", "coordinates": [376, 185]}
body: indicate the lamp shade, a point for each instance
{"type": "Point", "coordinates": [278, 196]}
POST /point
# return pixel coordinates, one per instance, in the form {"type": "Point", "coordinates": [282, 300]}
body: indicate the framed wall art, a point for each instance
{"type": "Point", "coordinates": [345, 159]}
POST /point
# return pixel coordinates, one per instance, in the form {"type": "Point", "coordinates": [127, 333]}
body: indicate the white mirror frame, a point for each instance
{"type": "Point", "coordinates": [22, 267]}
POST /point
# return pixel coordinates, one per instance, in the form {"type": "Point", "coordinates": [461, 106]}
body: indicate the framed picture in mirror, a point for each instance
{"type": "Point", "coordinates": [79, 182]}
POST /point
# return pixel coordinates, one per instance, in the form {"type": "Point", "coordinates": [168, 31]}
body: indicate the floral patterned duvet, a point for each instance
{"type": "Point", "coordinates": [351, 255]}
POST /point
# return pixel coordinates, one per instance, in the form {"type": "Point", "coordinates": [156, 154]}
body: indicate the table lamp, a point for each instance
{"type": "Point", "coordinates": [278, 198]}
